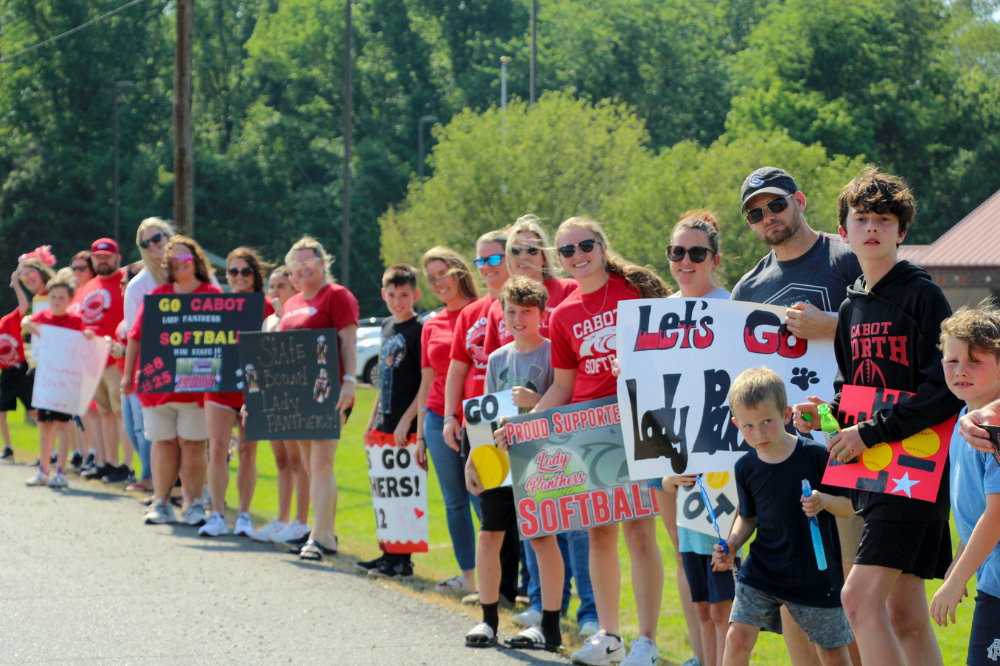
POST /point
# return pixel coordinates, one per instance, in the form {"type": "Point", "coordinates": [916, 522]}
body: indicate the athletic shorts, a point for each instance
{"type": "Point", "coordinates": [984, 640]}
{"type": "Point", "coordinates": [48, 416]}
{"type": "Point", "coordinates": [497, 508]}
{"type": "Point", "coordinates": [849, 530]}
{"type": "Point", "coordinates": [705, 584]}
{"type": "Point", "coordinates": [233, 401]}
{"type": "Point", "coordinates": [826, 627]}
{"type": "Point", "coordinates": [656, 483]}
{"type": "Point", "coordinates": [16, 383]}
{"type": "Point", "coordinates": [109, 392]}
{"type": "Point", "coordinates": [921, 549]}
{"type": "Point", "coordinates": [175, 419]}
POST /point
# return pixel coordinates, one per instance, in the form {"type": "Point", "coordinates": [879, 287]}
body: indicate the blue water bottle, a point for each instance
{"type": "Point", "coordinates": [814, 529]}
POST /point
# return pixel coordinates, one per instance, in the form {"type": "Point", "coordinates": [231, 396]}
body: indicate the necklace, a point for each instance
{"type": "Point", "coordinates": [603, 302]}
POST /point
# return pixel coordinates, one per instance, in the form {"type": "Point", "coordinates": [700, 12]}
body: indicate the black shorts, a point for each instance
{"type": "Point", "coordinates": [16, 383]}
{"type": "Point", "coordinates": [984, 640]}
{"type": "Point", "coordinates": [48, 416]}
{"type": "Point", "coordinates": [497, 508]}
{"type": "Point", "coordinates": [921, 549]}
{"type": "Point", "coordinates": [705, 584]}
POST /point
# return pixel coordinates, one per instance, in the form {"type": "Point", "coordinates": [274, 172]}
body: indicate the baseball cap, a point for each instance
{"type": "Point", "coordinates": [104, 246]}
{"type": "Point", "coordinates": [770, 180]}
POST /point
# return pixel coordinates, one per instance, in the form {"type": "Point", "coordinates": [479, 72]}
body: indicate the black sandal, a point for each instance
{"type": "Point", "coordinates": [481, 636]}
{"type": "Point", "coordinates": [313, 551]}
{"type": "Point", "coordinates": [531, 638]}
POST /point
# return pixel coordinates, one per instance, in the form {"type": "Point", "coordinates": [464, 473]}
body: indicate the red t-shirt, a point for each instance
{"type": "Point", "coordinates": [435, 353]}
{"type": "Point", "coordinates": [11, 342]}
{"type": "Point", "coordinates": [583, 331]}
{"type": "Point", "coordinates": [333, 306]}
{"type": "Point", "coordinates": [70, 321]}
{"type": "Point", "coordinates": [102, 305]}
{"type": "Point", "coordinates": [467, 345]}
{"type": "Point", "coordinates": [234, 399]}
{"type": "Point", "coordinates": [496, 331]}
{"type": "Point", "coordinates": [156, 399]}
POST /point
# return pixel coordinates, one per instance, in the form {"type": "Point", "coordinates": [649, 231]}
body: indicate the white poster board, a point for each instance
{"type": "Point", "coordinates": [483, 412]}
{"type": "Point", "coordinates": [691, 513]}
{"type": "Point", "coordinates": [399, 494]}
{"type": "Point", "coordinates": [68, 371]}
{"type": "Point", "coordinates": [678, 359]}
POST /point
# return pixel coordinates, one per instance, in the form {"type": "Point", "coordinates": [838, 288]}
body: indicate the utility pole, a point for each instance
{"type": "Point", "coordinates": [118, 86]}
{"type": "Point", "coordinates": [345, 232]}
{"type": "Point", "coordinates": [503, 122]}
{"type": "Point", "coordinates": [420, 143]}
{"type": "Point", "coordinates": [183, 136]}
{"type": "Point", "coordinates": [534, 51]}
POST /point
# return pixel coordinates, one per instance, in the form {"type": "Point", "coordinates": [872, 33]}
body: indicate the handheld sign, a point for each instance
{"type": "Point", "coordinates": [291, 383]}
{"type": "Point", "coordinates": [189, 341]}
{"type": "Point", "coordinates": [569, 471]}
{"type": "Point", "coordinates": [399, 494]}
{"type": "Point", "coordinates": [714, 497]}
{"type": "Point", "coordinates": [69, 369]}
{"type": "Point", "coordinates": [481, 419]}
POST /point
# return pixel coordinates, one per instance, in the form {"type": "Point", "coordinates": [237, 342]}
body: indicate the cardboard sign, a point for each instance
{"type": "Point", "coordinates": [912, 467]}
{"type": "Point", "coordinates": [678, 359]}
{"type": "Point", "coordinates": [481, 416]}
{"type": "Point", "coordinates": [190, 341]}
{"type": "Point", "coordinates": [291, 383]}
{"type": "Point", "coordinates": [69, 369]}
{"type": "Point", "coordinates": [569, 471]}
{"type": "Point", "coordinates": [399, 494]}
{"type": "Point", "coordinates": [691, 511]}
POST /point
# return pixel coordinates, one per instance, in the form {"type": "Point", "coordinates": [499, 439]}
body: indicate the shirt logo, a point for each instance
{"type": "Point", "coordinates": [8, 350]}
{"type": "Point", "coordinates": [598, 343]}
{"type": "Point", "coordinates": [993, 652]}
{"type": "Point", "coordinates": [94, 305]}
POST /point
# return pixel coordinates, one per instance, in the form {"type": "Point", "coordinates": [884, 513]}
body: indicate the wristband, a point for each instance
{"type": "Point", "coordinates": [350, 378]}
{"type": "Point", "coordinates": [450, 416]}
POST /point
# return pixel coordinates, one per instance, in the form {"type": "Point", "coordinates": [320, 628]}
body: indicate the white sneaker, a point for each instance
{"type": "Point", "coordinates": [160, 513]}
{"type": "Point", "coordinates": [643, 653]}
{"type": "Point", "coordinates": [590, 628]}
{"type": "Point", "coordinates": [39, 479]}
{"type": "Point", "coordinates": [244, 526]}
{"type": "Point", "coordinates": [58, 480]}
{"type": "Point", "coordinates": [265, 533]}
{"type": "Point", "coordinates": [528, 618]}
{"type": "Point", "coordinates": [456, 584]}
{"type": "Point", "coordinates": [693, 661]}
{"type": "Point", "coordinates": [215, 526]}
{"type": "Point", "coordinates": [293, 532]}
{"type": "Point", "coordinates": [195, 514]}
{"type": "Point", "coordinates": [600, 650]}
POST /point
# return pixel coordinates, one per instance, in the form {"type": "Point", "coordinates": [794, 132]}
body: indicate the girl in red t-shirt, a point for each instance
{"type": "Point", "coordinates": [451, 281]}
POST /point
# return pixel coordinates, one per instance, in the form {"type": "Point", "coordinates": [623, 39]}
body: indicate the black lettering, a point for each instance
{"type": "Point", "coordinates": [717, 432]}
{"type": "Point", "coordinates": [656, 437]}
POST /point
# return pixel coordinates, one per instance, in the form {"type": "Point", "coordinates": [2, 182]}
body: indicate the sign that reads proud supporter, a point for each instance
{"type": "Point", "coordinates": [569, 471]}
{"type": "Point", "coordinates": [189, 341]}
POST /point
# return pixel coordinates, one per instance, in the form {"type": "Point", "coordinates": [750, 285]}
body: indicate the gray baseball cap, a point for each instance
{"type": "Point", "coordinates": [770, 180]}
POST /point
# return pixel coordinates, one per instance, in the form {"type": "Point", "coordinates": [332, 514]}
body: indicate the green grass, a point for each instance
{"type": "Point", "coordinates": [356, 529]}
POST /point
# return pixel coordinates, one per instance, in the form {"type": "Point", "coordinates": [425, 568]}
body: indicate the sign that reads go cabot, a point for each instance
{"type": "Point", "coordinates": [569, 471]}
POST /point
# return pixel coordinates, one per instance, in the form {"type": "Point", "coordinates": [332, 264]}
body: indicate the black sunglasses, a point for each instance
{"type": "Point", "coordinates": [586, 246]}
{"type": "Point", "coordinates": [776, 205]}
{"type": "Point", "coordinates": [246, 271]}
{"type": "Point", "coordinates": [493, 260]}
{"type": "Point", "coordinates": [79, 269]}
{"type": "Point", "coordinates": [517, 250]}
{"type": "Point", "coordinates": [153, 240]}
{"type": "Point", "coordinates": [698, 254]}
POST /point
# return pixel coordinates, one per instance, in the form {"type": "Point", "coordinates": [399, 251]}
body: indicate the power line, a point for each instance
{"type": "Point", "coordinates": [70, 32]}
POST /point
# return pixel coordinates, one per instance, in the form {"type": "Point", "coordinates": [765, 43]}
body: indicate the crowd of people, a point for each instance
{"type": "Point", "coordinates": [535, 332]}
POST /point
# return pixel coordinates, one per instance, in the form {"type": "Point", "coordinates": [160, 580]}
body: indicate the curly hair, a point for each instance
{"type": "Point", "coordinates": [977, 327]}
{"type": "Point", "coordinates": [876, 192]}
{"type": "Point", "coordinates": [522, 291]}
{"type": "Point", "coordinates": [202, 269]}
{"type": "Point", "coordinates": [257, 265]}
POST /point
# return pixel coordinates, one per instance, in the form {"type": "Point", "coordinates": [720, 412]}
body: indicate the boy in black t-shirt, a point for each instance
{"type": "Point", "coordinates": [782, 568]}
{"type": "Point", "coordinates": [395, 409]}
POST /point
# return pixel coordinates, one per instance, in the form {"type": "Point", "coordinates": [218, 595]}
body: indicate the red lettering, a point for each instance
{"type": "Point", "coordinates": [164, 338]}
{"type": "Point", "coordinates": [527, 509]}
{"type": "Point", "coordinates": [601, 417]}
{"type": "Point", "coordinates": [566, 511]}
{"type": "Point", "coordinates": [623, 511]}
{"type": "Point", "coordinates": [855, 353]}
{"type": "Point", "coordinates": [602, 512]}
{"type": "Point", "coordinates": [550, 515]}
{"type": "Point", "coordinates": [878, 342]}
{"type": "Point", "coordinates": [897, 349]}
{"type": "Point", "coordinates": [584, 501]}
{"type": "Point", "coordinates": [640, 510]}
{"type": "Point", "coordinates": [866, 347]}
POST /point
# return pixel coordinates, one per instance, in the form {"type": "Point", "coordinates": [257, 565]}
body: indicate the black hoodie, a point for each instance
{"type": "Point", "coordinates": [887, 338]}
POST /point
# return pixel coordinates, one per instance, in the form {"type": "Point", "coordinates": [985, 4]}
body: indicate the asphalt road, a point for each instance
{"type": "Point", "coordinates": [82, 580]}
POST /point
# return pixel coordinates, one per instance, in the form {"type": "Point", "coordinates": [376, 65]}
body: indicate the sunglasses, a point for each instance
{"type": "Point", "coordinates": [698, 254]}
{"type": "Point", "coordinates": [586, 247]}
{"type": "Point", "coordinates": [493, 260]}
{"type": "Point", "coordinates": [516, 250]}
{"type": "Point", "coordinates": [296, 265]}
{"type": "Point", "coordinates": [776, 205]}
{"type": "Point", "coordinates": [181, 259]}
{"type": "Point", "coordinates": [79, 269]}
{"type": "Point", "coordinates": [152, 240]}
{"type": "Point", "coordinates": [246, 271]}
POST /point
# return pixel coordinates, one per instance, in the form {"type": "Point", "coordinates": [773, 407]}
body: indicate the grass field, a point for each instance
{"type": "Point", "coordinates": [356, 530]}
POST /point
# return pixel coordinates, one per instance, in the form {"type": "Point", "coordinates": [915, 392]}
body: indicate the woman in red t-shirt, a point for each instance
{"type": "Point", "coordinates": [450, 279]}
{"type": "Point", "coordinates": [174, 422]}
{"type": "Point", "coordinates": [321, 303]}
{"type": "Point", "coordinates": [245, 273]}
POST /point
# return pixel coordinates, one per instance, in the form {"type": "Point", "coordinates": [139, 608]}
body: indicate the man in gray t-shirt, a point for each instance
{"type": "Point", "coordinates": [507, 368]}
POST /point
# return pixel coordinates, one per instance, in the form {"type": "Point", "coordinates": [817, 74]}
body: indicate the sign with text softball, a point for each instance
{"type": "Point", "coordinates": [399, 494]}
{"type": "Point", "coordinates": [910, 468]}
{"type": "Point", "coordinates": [678, 359]}
{"type": "Point", "coordinates": [569, 471]}
{"type": "Point", "coordinates": [291, 383]}
{"type": "Point", "coordinates": [189, 341]}
{"type": "Point", "coordinates": [69, 369]}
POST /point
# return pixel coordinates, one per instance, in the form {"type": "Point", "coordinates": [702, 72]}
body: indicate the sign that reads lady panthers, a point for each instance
{"type": "Point", "coordinates": [678, 359]}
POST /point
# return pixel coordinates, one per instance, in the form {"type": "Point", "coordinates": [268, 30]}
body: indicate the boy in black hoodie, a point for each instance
{"type": "Point", "coordinates": [887, 335]}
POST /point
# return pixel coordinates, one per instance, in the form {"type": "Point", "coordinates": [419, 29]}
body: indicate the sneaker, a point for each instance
{"type": "Point", "coordinates": [195, 514]}
{"type": "Point", "coordinates": [130, 479]}
{"type": "Point", "coordinates": [591, 627]}
{"type": "Point", "coordinates": [471, 599]}
{"type": "Point", "coordinates": [144, 486]}
{"type": "Point", "coordinates": [53, 458]}
{"type": "Point", "coordinates": [216, 525]}
{"type": "Point", "coordinates": [265, 533]}
{"type": "Point", "coordinates": [643, 653]}
{"type": "Point", "coordinates": [160, 513]}
{"type": "Point", "coordinates": [244, 526]}
{"type": "Point", "coordinates": [99, 472]}
{"type": "Point", "coordinates": [601, 649]}
{"type": "Point", "coordinates": [456, 584]}
{"type": "Point", "coordinates": [77, 460]}
{"type": "Point", "coordinates": [295, 532]}
{"type": "Point", "coordinates": [393, 569]}
{"type": "Point", "coordinates": [693, 661]}
{"type": "Point", "coordinates": [58, 480]}
{"type": "Point", "coordinates": [117, 475]}
{"type": "Point", "coordinates": [8, 453]}
{"type": "Point", "coordinates": [528, 618]}
{"type": "Point", "coordinates": [90, 460]}
{"type": "Point", "coordinates": [39, 479]}
{"type": "Point", "coordinates": [370, 565]}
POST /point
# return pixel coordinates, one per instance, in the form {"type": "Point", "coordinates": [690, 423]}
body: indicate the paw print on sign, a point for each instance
{"type": "Point", "coordinates": [804, 377]}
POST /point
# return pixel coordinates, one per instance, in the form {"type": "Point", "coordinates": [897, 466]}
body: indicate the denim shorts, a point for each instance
{"type": "Point", "coordinates": [826, 627]}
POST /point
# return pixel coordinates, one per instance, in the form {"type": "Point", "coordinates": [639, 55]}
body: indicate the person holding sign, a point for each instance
{"type": "Point", "coordinates": [887, 338]}
{"type": "Point", "coordinates": [322, 303]}
{"type": "Point", "coordinates": [174, 422]}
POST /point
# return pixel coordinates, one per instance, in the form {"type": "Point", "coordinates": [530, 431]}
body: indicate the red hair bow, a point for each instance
{"type": "Point", "coordinates": [42, 254]}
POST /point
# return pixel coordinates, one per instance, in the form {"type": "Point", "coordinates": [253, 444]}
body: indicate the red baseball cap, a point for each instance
{"type": "Point", "coordinates": [104, 246]}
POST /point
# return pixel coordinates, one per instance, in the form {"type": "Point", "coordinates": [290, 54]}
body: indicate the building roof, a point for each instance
{"type": "Point", "coordinates": [911, 253]}
{"type": "Point", "coordinates": [972, 243]}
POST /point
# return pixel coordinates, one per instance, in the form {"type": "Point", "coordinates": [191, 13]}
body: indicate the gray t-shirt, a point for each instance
{"type": "Point", "coordinates": [507, 368]}
{"type": "Point", "coordinates": [819, 277]}
{"type": "Point", "coordinates": [718, 292]}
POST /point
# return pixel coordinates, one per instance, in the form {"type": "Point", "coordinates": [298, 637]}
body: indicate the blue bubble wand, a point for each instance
{"type": "Point", "coordinates": [715, 521]}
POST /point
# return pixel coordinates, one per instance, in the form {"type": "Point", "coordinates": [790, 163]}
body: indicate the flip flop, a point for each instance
{"type": "Point", "coordinates": [531, 638]}
{"type": "Point", "coordinates": [313, 551]}
{"type": "Point", "coordinates": [481, 636]}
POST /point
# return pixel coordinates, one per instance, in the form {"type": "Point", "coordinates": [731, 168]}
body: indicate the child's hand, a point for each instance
{"type": "Point", "coordinates": [524, 397]}
{"type": "Point", "coordinates": [722, 561]}
{"type": "Point", "coordinates": [402, 432]}
{"type": "Point", "coordinates": [472, 481]}
{"type": "Point", "coordinates": [420, 454]}
{"type": "Point", "coordinates": [814, 504]}
{"type": "Point", "coordinates": [846, 445]}
{"type": "Point", "coordinates": [88, 334]}
{"type": "Point", "coordinates": [806, 408]}
{"type": "Point", "coordinates": [500, 435]}
{"type": "Point", "coordinates": [615, 370]}
{"type": "Point", "coordinates": [453, 434]}
{"type": "Point", "coordinates": [946, 601]}
{"type": "Point", "coordinates": [686, 480]}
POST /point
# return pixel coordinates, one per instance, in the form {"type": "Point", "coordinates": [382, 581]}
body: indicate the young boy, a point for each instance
{"type": "Point", "coordinates": [887, 335]}
{"type": "Point", "coordinates": [395, 409]}
{"type": "Point", "coordinates": [16, 379]}
{"type": "Point", "coordinates": [970, 341]}
{"type": "Point", "coordinates": [53, 424]}
{"type": "Point", "coordinates": [781, 569]}
{"type": "Point", "coordinates": [525, 367]}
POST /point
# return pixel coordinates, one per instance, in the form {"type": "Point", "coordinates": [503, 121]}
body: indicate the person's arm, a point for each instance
{"type": "Point", "coordinates": [472, 482]}
{"type": "Point", "coordinates": [426, 378]}
{"type": "Point", "coordinates": [373, 414]}
{"type": "Point", "coordinates": [838, 505]}
{"type": "Point", "coordinates": [983, 541]}
{"type": "Point", "coordinates": [402, 432]}
{"type": "Point", "coordinates": [559, 394]}
{"type": "Point", "coordinates": [808, 322]}
{"type": "Point", "coordinates": [968, 427]}
{"type": "Point", "coordinates": [29, 326]}
{"type": "Point", "coordinates": [743, 529]}
{"type": "Point", "coordinates": [22, 299]}
{"type": "Point", "coordinates": [454, 385]}
{"type": "Point", "coordinates": [668, 509]}
{"type": "Point", "coordinates": [349, 344]}
{"type": "Point", "coordinates": [131, 356]}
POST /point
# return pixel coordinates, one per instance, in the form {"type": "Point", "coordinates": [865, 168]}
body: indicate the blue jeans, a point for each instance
{"type": "Point", "coordinates": [575, 548]}
{"type": "Point", "coordinates": [450, 469]}
{"type": "Point", "coordinates": [132, 422]}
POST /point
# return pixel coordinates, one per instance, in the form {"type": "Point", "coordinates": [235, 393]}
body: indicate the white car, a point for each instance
{"type": "Point", "coordinates": [369, 344]}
